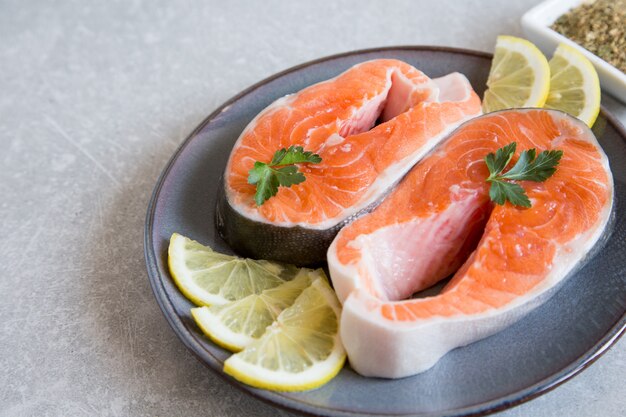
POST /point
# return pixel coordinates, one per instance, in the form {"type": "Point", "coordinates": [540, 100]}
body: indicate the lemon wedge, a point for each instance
{"type": "Point", "coordinates": [519, 76]}
{"type": "Point", "coordinates": [235, 325]}
{"type": "Point", "coordinates": [210, 278]}
{"type": "Point", "coordinates": [301, 350]}
{"type": "Point", "coordinates": [574, 85]}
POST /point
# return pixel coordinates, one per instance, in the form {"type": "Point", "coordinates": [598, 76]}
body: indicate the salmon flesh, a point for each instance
{"type": "Point", "coordinates": [439, 221]}
{"type": "Point", "coordinates": [369, 125]}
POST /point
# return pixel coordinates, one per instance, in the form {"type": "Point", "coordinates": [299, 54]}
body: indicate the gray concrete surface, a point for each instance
{"type": "Point", "coordinates": [94, 98]}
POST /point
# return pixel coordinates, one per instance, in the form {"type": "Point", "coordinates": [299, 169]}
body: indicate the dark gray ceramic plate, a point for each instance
{"type": "Point", "coordinates": [553, 343]}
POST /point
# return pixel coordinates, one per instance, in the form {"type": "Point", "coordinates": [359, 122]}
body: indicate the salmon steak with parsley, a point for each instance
{"type": "Point", "coordinates": [441, 220]}
{"type": "Point", "coordinates": [364, 129]}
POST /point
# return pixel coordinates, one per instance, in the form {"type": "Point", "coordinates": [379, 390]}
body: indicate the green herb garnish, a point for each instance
{"type": "Point", "coordinates": [527, 168]}
{"type": "Point", "coordinates": [281, 171]}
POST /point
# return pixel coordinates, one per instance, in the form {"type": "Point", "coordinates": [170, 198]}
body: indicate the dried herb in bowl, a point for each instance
{"type": "Point", "coordinates": [599, 27]}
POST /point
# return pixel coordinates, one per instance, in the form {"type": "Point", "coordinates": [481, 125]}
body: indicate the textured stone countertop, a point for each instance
{"type": "Point", "coordinates": [94, 99]}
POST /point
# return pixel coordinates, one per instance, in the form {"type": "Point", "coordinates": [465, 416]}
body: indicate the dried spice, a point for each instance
{"type": "Point", "coordinates": [599, 27]}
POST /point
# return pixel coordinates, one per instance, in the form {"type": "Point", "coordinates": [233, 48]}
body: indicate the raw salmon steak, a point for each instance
{"type": "Point", "coordinates": [440, 221]}
{"type": "Point", "coordinates": [369, 125]}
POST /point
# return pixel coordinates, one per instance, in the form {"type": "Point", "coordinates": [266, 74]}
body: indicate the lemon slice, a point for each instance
{"type": "Point", "coordinates": [210, 278]}
{"type": "Point", "coordinates": [574, 85]}
{"type": "Point", "coordinates": [301, 350]}
{"type": "Point", "coordinates": [519, 76]}
{"type": "Point", "coordinates": [235, 325]}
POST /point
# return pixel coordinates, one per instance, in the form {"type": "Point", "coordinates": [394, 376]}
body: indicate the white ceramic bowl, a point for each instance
{"type": "Point", "coordinates": [536, 26]}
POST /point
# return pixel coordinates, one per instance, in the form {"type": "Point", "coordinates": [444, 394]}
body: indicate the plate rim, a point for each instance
{"type": "Point", "coordinates": [273, 398]}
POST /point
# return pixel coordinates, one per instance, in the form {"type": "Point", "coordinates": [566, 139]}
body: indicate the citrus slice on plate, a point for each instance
{"type": "Point", "coordinates": [301, 350]}
{"type": "Point", "coordinates": [519, 76]}
{"type": "Point", "coordinates": [574, 85]}
{"type": "Point", "coordinates": [207, 277]}
{"type": "Point", "coordinates": [235, 325]}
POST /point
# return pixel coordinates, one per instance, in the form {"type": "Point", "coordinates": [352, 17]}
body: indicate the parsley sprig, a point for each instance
{"type": "Point", "coordinates": [527, 168]}
{"type": "Point", "coordinates": [281, 171]}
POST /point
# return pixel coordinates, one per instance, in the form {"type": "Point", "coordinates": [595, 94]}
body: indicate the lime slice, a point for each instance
{"type": "Point", "coordinates": [301, 350]}
{"type": "Point", "coordinates": [574, 85]}
{"type": "Point", "coordinates": [235, 325]}
{"type": "Point", "coordinates": [210, 278]}
{"type": "Point", "coordinates": [519, 76]}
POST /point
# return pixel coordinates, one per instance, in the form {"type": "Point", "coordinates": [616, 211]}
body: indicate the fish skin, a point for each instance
{"type": "Point", "coordinates": [360, 162]}
{"type": "Point", "coordinates": [501, 280]}
{"type": "Point", "coordinates": [296, 245]}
